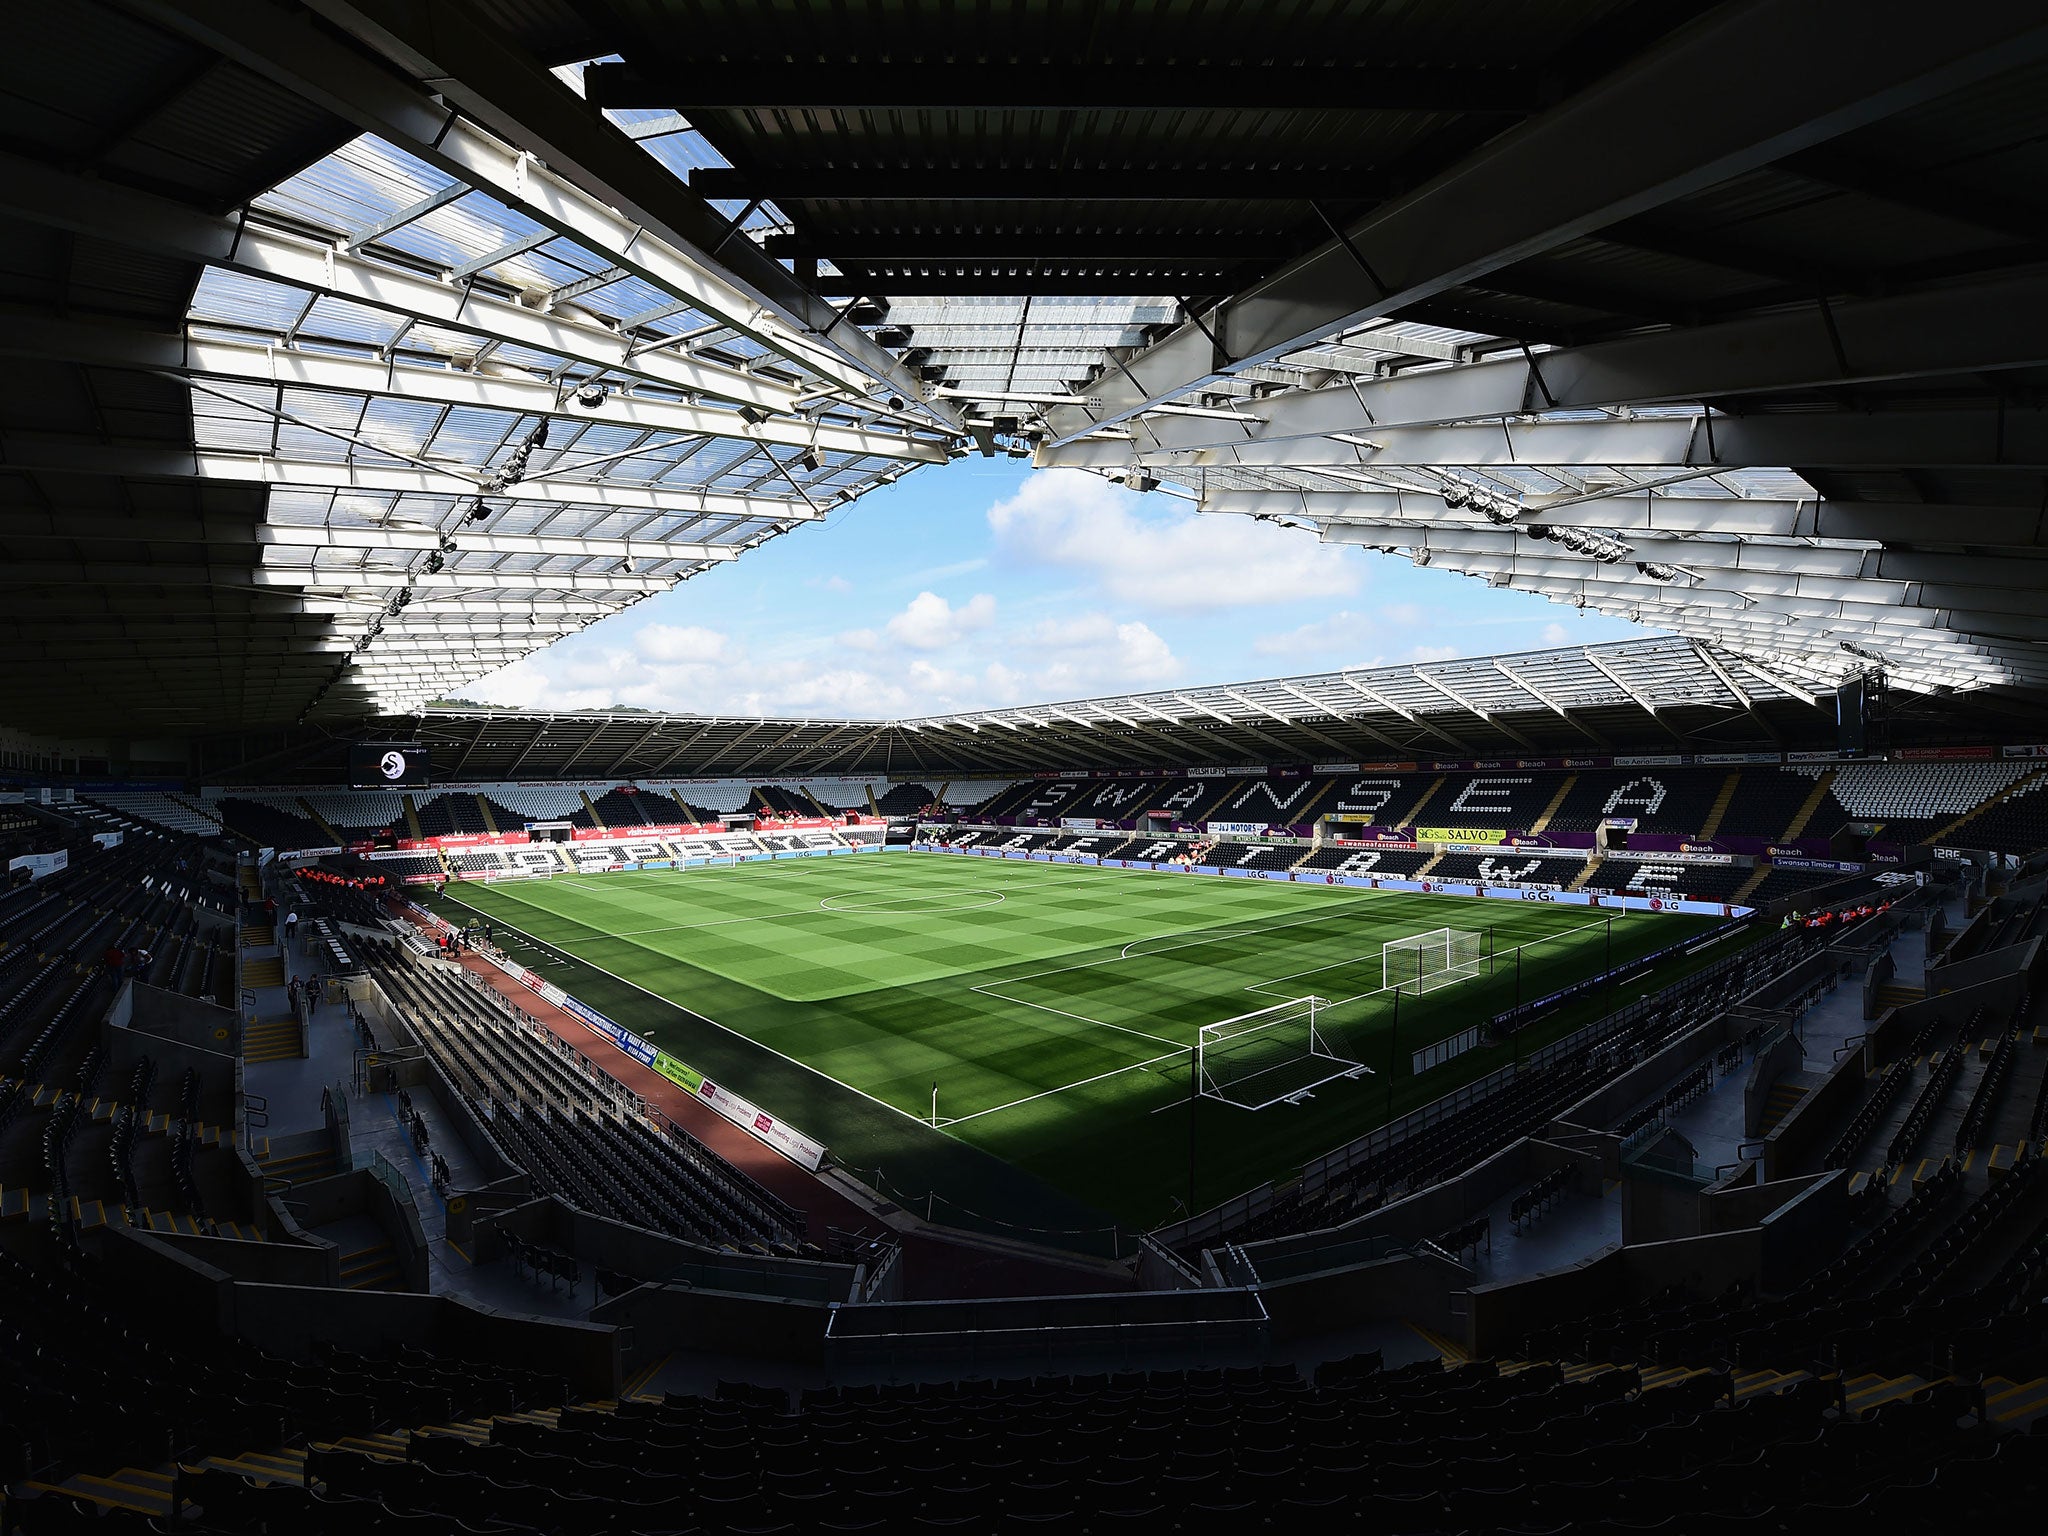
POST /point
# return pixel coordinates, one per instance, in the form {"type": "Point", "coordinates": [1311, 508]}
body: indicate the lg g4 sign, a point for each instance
{"type": "Point", "coordinates": [387, 765]}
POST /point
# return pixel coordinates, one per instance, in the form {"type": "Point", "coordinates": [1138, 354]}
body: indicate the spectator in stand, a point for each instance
{"type": "Point", "coordinates": [291, 991]}
{"type": "Point", "coordinates": [113, 957]}
{"type": "Point", "coordinates": [291, 926]}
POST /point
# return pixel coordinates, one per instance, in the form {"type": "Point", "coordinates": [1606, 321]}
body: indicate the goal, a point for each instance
{"type": "Point", "coordinates": [1273, 1056]}
{"type": "Point", "coordinates": [1422, 962]}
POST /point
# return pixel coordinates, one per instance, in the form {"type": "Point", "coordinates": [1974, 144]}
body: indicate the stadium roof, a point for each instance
{"type": "Point", "coordinates": [1656, 696]}
{"type": "Point", "coordinates": [1727, 318]}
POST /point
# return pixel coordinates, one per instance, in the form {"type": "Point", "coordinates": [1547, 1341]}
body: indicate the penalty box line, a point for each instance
{"type": "Point", "coordinates": [1136, 1066]}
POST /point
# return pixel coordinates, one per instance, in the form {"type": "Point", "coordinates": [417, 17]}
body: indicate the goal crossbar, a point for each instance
{"type": "Point", "coordinates": [1269, 1056]}
{"type": "Point", "coordinates": [1422, 962]}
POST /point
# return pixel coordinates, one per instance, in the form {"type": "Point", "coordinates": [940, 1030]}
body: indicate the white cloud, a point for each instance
{"type": "Point", "coordinates": [1150, 550]}
{"type": "Point", "coordinates": [685, 643]}
{"type": "Point", "coordinates": [930, 622]}
{"type": "Point", "coordinates": [832, 583]}
{"type": "Point", "coordinates": [1435, 652]}
{"type": "Point", "coordinates": [1556, 634]}
{"type": "Point", "coordinates": [1344, 637]}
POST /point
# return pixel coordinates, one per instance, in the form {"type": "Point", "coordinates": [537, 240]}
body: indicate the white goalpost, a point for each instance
{"type": "Point", "coordinates": [1275, 1055]}
{"type": "Point", "coordinates": [1422, 962]}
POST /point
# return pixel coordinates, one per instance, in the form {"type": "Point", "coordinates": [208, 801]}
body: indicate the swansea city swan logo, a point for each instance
{"type": "Point", "coordinates": [393, 765]}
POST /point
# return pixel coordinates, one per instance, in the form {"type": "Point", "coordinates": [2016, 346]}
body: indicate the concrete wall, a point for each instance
{"type": "Point", "coordinates": [1500, 1313]}
{"type": "Point", "coordinates": [1798, 1142]}
{"type": "Point", "coordinates": [1806, 1232]}
{"type": "Point", "coordinates": [1440, 1207]}
{"type": "Point", "coordinates": [220, 1074]}
{"type": "Point", "coordinates": [362, 1193]}
{"type": "Point", "coordinates": [1403, 1287]}
{"type": "Point", "coordinates": [187, 1020]}
{"type": "Point", "coordinates": [2013, 961]}
{"type": "Point", "coordinates": [316, 1264]}
{"type": "Point", "coordinates": [1783, 1055]}
{"type": "Point", "coordinates": [289, 1320]}
{"type": "Point", "coordinates": [666, 1318]}
{"type": "Point", "coordinates": [1881, 972]}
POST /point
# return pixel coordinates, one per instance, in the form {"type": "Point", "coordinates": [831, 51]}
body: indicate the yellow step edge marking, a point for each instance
{"type": "Point", "coordinates": [2024, 1386]}
{"type": "Point", "coordinates": [111, 1501]}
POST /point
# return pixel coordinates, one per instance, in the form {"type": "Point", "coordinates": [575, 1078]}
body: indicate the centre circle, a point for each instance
{"type": "Point", "coordinates": [911, 901]}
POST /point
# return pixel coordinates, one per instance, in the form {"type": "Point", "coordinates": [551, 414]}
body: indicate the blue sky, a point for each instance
{"type": "Point", "coordinates": [983, 582]}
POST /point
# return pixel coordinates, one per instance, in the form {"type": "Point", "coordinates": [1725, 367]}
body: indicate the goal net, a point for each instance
{"type": "Point", "coordinates": [1422, 962]}
{"type": "Point", "coordinates": [1269, 1057]}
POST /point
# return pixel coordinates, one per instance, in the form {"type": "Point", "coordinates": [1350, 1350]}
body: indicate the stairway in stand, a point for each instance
{"type": "Point", "coordinates": [1719, 810]}
{"type": "Point", "coordinates": [1809, 805]}
{"type": "Point", "coordinates": [1783, 1099]}
{"type": "Point", "coordinates": [297, 1168]}
{"type": "Point", "coordinates": [374, 1268]}
{"type": "Point", "coordinates": [274, 1040]}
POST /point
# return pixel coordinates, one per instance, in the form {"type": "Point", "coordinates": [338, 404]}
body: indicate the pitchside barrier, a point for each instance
{"type": "Point", "coordinates": [1604, 899]}
{"type": "Point", "coordinates": [758, 1123]}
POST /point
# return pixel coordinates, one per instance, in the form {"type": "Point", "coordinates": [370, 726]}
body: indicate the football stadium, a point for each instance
{"type": "Point", "coordinates": [541, 990]}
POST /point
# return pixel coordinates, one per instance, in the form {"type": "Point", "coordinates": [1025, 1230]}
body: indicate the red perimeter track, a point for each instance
{"type": "Point", "coordinates": [822, 1206]}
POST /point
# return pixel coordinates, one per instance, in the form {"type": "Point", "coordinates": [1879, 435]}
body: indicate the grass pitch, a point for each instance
{"type": "Point", "coordinates": [1054, 1006]}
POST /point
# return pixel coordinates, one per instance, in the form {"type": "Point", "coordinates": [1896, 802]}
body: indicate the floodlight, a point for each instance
{"type": "Point", "coordinates": [809, 459]}
{"type": "Point", "coordinates": [752, 415]}
{"type": "Point", "coordinates": [591, 394]}
{"type": "Point", "coordinates": [1420, 556]}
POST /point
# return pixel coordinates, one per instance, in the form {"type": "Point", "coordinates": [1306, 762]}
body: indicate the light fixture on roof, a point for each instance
{"type": "Point", "coordinates": [434, 563]}
{"type": "Point", "coordinates": [1420, 555]}
{"type": "Point", "coordinates": [752, 415]}
{"type": "Point", "coordinates": [590, 394]}
{"type": "Point", "coordinates": [1138, 480]}
{"type": "Point", "coordinates": [809, 459]}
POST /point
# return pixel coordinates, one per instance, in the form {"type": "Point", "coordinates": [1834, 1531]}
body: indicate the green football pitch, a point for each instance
{"type": "Point", "coordinates": [1053, 1008]}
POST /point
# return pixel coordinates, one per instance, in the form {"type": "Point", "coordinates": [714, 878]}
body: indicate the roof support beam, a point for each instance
{"type": "Point", "coordinates": [1009, 183]}
{"type": "Point", "coordinates": [1629, 688]}
{"type": "Point", "coordinates": [591, 182]}
{"type": "Point", "coordinates": [1987, 324]}
{"type": "Point", "coordinates": [1012, 85]}
{"type": "Point", "coordinates": [55, 340]}
{"type": "Point", "coordinates": [1418, 721]}
{"type": "Point", "coordinates": [102, 210]}
{"type": "Point", "coordinates": [2015, 436]}
{"type": "Point", "coordinates": [1665, 127]}
{"type": "Point", "coordinates": [82, 456]}
{"type": "Point", "coordinates": [53, 573]}
{"type": "Point", "coordinates": [1908, 522]}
